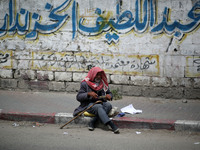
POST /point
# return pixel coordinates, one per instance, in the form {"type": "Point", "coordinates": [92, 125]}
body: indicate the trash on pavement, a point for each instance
{"type": "Point", "coordinates": [137, 132]}
{"type": "Point", "coordinates": [184, 101]}
{"type": "Point", "coordinates": [38, 124]}
{"type": "Point", "coordinates": [113, 111]}
{"type": "Point", "coordinates": [197, 143]}
{"type": "Point", "coordinates": [121, 114]}
{"type": "Point", "coordinates": [131, 110]}
{"type": "Point", "coordinates": [15, 124]}
{"type": "Point", "coordinates": [65, 133]}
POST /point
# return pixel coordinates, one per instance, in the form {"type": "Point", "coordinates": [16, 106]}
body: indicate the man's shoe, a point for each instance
{"type": "Point", "coordinates": [114, 127]}
{"type": "Point", "coordinates": [92, 124]}
{"type": "Point", "coordinates": [116, 131]}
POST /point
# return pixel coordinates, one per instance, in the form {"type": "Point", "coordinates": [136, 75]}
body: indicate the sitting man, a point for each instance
{"type": "Point", "coordinates": [94, 85]}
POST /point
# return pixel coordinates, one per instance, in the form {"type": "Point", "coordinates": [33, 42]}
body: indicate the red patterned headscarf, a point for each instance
{"type": "Point", "coordinates": [89, 79]}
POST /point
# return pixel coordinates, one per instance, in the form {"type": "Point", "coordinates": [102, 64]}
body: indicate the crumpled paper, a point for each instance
{"type": "Point", "coordinates": [131, 110]}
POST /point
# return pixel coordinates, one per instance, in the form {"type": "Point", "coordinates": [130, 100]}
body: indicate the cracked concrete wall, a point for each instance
{"type": "Point", "coordinates": [146, 47]}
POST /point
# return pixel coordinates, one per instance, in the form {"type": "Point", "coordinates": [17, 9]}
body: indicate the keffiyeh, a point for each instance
{"type": "Point", "coordinates": [89, 79]}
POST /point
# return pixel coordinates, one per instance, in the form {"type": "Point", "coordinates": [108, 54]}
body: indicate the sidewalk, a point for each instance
{"type": "Point", "coordinates": [47, 107]}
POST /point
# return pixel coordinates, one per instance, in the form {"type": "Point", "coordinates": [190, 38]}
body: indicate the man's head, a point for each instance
{"type": "Point", "coordinates": [98, 77]}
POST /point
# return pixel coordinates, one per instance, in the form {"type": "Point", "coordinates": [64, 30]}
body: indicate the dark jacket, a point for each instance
{"type": "Point", "coordinates": [83, 98]}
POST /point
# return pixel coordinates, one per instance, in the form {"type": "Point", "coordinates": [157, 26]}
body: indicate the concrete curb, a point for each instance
{"type": "Point", "coordinates": [129, 122]}
{"type": "Point", "coordinates": [187, 125]}
{"type": "Point", "coordinates": [121, 122]}
{"type": "Point", "coordinates": [20, 116]}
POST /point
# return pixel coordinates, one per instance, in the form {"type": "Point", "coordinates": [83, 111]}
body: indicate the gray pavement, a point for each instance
{"type": "Point", "coordinates": [51, 102]}
{"type": "Point", "coordinates": [56, 107]}
{"type": "Point", "coordinates": [37, 102]}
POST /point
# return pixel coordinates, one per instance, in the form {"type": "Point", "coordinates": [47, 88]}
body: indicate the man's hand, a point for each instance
{"type": "Point", "coordinates": [108, 97]}
{"type": "Point", "coordinates": [93, 95]}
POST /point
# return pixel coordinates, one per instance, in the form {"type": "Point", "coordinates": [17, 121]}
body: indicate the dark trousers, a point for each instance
{"type": "Point", "coordinates": [101, 111]}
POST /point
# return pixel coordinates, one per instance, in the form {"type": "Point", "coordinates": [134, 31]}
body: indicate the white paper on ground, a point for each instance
{"type": "Point", "coordinates": [137, 132]}
{"type": "Point", "coordinates": [131, 110]}
{"type": "Point", "coordinates": [197, 143]}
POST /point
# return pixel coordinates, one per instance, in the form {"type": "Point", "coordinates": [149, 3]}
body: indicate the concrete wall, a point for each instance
{"type": "Point", "coordinates": [146, 47]}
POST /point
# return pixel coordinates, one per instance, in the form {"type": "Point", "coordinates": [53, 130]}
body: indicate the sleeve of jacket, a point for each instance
{"type": "Point", "coordinates": [82, 94]}
{"type": "Point", "coordinates": [110, 93]}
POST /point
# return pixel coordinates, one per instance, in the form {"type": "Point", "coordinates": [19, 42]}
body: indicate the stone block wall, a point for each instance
{"type": "Point", "coordinates": [146, 47]}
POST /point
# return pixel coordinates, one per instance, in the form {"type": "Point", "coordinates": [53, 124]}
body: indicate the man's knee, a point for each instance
{"type": "Point", "coordinates": [97, 106]}
{"type": "Point", "coordinates": [108, 105]}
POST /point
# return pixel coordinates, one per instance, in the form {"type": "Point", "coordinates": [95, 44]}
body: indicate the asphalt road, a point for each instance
{"type": "Point", "coordinates": [32, 136]}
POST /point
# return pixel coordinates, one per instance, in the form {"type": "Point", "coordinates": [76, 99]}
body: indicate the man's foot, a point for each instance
{"type": "Point", "coordinates": [114, 127]}
{"type": "Point", "coordinates": [91, 126]}
{"type": "Point", "coordinates": [116, 131]}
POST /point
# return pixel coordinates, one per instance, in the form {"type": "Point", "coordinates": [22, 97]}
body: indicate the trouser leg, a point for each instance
{"type": "Point", "coordinates": [101, 111]}
{"type": "Point", "coordinates": [107, 107]}
{"type": "Point", "coordinates": [92, 123]}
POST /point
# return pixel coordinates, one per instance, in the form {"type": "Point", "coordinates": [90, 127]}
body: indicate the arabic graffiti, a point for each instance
{"type": "Point", "coordinates": [122, 23]}
{"type": "Point", "coordinates": [192, 66]}
{"type": "Point", "coordinates": [177, 28]}
{"type": "Point", "coordinates": [14, 25]}
{"type": "Point", "coordinates": [112, 63]}
{"type": "Point", "coordinates": [5, 59]}
{"type": "Point", "coordinates": [197, 62]}
{"type": "Point", "coordinates": [125, 22]}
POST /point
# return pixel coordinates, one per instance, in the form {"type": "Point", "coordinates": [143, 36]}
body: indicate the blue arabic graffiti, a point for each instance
{"type": "Point", "coordinates": [122, 23]}
{"type": "Point", "coordinates": [177, 28]}
{"type": "Point", "coordinates": [125, 22]}
{"type": "Point", "coordinates": [14, 25]}
{"type": "Point", "coordinates": [60, 20]}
